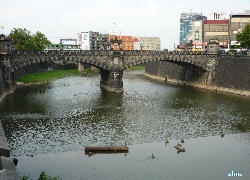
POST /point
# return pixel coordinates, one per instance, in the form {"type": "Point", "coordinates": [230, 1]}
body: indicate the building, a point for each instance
{"type": "Point", "coordinates": [221, 26]}
{"type": "Point", "coordinates": [216, 29]}
{"type": "Point", "coordinates": [92, 40]}
{"type": "Point", "coordinates": [237, 23]}
{"type": "Point", "coordinates": [205, 30]}
{"type": "Point", "coordinates": [129, 43]}
{"type": "Point", "coordinates": [150, 43]}
{"type": "Point", "coordinates": [196, 34]}
{"type": "Point", "coordinates": [186, 25]}
{"type": "Point", "coordinates": [6, 45]}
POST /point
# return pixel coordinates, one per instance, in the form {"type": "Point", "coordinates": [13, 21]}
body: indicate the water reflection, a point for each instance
{"type": "Point", "coordinates": [73, 112]}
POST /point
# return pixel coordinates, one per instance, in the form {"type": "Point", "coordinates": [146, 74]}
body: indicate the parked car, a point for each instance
{"type": "Point", "coordinates": [221, 50]}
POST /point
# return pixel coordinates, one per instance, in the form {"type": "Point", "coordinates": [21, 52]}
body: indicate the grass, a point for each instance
{"type": "Point", "coordinates": [42, 77]}
{"type": "Point", "coordinates": [48, 76]}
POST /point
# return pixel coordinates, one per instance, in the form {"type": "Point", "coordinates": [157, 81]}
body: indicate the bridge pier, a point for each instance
{"type": "Point", "coordinates": [80, 67]}
{"type": "Point", "coordinates": [112, 80]}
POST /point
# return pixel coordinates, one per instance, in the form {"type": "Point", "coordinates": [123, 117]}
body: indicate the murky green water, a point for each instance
{"type": "Point", "coordinates": [54, 122]}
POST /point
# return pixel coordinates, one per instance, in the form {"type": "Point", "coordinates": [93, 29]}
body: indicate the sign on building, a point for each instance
{"type": "Point", "coordinates": [85, 41]}
{"type": "Point", "coordinates": [196, 35]}
{"type": "Point", "coordinates": [68, 41]}
{"type": "Point", "coordinates": [218, 15]}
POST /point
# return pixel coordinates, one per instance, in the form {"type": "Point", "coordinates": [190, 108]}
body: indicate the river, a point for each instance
{"type": "Point", "coordinates": [49, 125]}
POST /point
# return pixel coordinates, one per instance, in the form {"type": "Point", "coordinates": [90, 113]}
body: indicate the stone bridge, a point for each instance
{"type": "Point", "coordinates": [111, 63]}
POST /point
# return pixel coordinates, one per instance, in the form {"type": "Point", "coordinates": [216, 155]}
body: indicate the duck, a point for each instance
{"type": "Point", "coordinates": [153, 156]}
{"type": "Point", "coordinates": [166, 141]}
{"type": "Point", "coordinates": [90, 153]}
{"type": "Point", "coordinates": [179, 148]}
{"type": "Point", "coordinates": [182, 140]}
{"type": "Point", "coordinates": [15, 160]}
{"type": "Point", "coordinates": [222, 135]}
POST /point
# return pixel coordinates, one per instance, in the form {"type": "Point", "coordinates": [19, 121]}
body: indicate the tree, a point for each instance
{"type": "Point", "coordinates": [39, 40]}
{"type": "Point", "coordinates": [27, 41]}
{"type": "Point", "coordinates": [244, 37]}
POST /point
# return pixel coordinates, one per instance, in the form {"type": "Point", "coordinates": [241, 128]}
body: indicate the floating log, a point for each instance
{"type": "Point", "coordinates": [106, 149]}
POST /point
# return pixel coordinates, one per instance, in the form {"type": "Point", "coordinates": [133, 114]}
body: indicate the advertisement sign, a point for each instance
{"type": "Point", "coordinates": [218, 15]}
{"type": "Point", "coordinates": [68, 41]}
{"type": "Point", "coordinates": [197, 35]}
{"type": "Point", "coordinates": [85, 41]}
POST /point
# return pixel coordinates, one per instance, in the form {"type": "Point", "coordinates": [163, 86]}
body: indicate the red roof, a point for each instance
{"type": "Point", "coordinates": [219, 21]}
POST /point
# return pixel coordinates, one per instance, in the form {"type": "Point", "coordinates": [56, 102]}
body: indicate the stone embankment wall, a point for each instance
{"type": "Point", "coordinates": [231, 74]}
{"type": "Point", "coordinates": [3, 85]}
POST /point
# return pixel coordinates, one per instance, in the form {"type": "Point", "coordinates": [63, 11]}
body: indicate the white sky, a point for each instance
{"type": "Point", "coordinates": [59, 19]}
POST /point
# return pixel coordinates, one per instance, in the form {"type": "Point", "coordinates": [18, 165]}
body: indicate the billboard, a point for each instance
{"type": "Point", "coordinates": [219, 15]}
{"type": "Point", "coordinates": [68, 41]}
{"type": "Point", "coordinates": [85, 41]}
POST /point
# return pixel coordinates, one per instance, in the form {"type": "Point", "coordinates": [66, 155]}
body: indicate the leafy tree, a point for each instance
{"type": "Point", "coordinates": [244, 37]}
{"type": "Point", "coordinates": [27, 41]}
{"type": "Point", "coordinates": [39, 40]}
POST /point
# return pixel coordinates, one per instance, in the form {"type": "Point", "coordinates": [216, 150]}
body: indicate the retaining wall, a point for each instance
{"type": "Point", "coordinates": [231, 74]}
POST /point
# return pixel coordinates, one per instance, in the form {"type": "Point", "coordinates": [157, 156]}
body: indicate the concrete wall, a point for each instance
{"type": "Point", "coordinates": [231, 74]}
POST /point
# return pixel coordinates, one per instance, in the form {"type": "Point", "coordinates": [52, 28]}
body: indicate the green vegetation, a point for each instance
{"type": "Point", "coordinates": [47, 76]}
{"type": "Point", "coordinates": [27, 41]}
{"type": "Point", "coordinates": [42, 176]}
{"type": "Point", "coordinates": [137, 68]}
{"type": "Point", "coordinates": [244, 37]}
{"type": "Point", "coordinates": [43, 77]}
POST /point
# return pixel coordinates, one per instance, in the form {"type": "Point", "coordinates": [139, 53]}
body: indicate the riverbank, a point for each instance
{"type": "Point", "coordinates": [197, 85]}
{"type": "Point", "coordinates": [43, 77]}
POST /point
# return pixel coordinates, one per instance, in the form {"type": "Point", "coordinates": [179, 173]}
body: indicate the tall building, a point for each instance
{"type": "Point", "coordinates": [150, 43]}
{"type": "Point", "coordinates": [92, 40]}
{"type": "Point", "coordinates": [186, 25]}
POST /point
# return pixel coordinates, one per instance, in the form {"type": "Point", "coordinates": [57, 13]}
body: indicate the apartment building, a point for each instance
{"type": "Point", "coordinates": [186, 20]}
{"type": "Point", "coordinates": [150, 43]}
{"type": "Point", "coordinates": [128, 42]}
{"type": "Point", "coordinates": [237, 23]}
{"type": "Point", "coordinates": [92, 40]}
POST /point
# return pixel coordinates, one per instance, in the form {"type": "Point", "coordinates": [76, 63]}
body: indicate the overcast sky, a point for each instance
{"type": "Point", "coordinates": [59, 19]}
